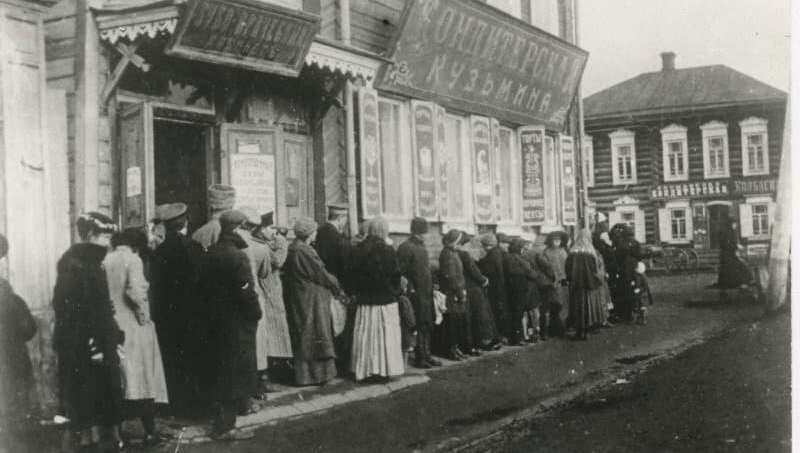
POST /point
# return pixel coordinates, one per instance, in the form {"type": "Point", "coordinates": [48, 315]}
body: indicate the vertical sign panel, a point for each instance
{"type": "Point", "coordinates": [422, 115]}
{"type": "Point", "coordinates": [531, 141]}
{"type": "Point", "coordinates": [551, 175]}
{"type": "Point", "coordinates": [370, 157]}
{"type": "Point", "coordinates": [482, 169]}
{"type": "Point", "coordinates": [497, 178]}
{"type": "Point", "coordinates": [442, 160]}
{"type": "Point", "coordinates": [569, 204]}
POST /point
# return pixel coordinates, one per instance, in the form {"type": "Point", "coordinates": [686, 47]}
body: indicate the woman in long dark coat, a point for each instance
{"type": "Point", "coordinates": [627, 254]}
{"type": "Point", "coordinates": [17, 327]}
{"type": "Point", "coordinates": [583, 267]}
{"type": "Point", "coordinates": [86, 336]}
{"type": "Point", "coordinates": [733, 273]}
{"type": "Point", "coordinates": [480, 313]}
{"type": "Point", "coordinates": [491, 266]}
{"type": "Point", "coordinates": [453, 285]}
{"type": "Point", "coordinates": [377, 340]}
{"type": "Point", "coordinates": [229, 289]}
{"type": "Point", "coordinates": [309, 288]}
{"type": "Point", "coordinates": [524, 283]}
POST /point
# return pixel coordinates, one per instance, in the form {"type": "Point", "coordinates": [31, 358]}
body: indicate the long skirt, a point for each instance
{"type": "Point", "coordinates": [377, 342]}
{"type": "Point", "coordinates": [142, 369]}
{"type": "Point", "coordinates": [481, 318]}
{"type": "Point", "coordinates": [279, 343]}
{"type": "Point", "coordinates": [597, 311]}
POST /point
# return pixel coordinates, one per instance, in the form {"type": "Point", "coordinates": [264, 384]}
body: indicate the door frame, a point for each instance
{"type": "Point", "coordinates": [709, 206]}
{"type": "Point", "coordinates": [311, 182]}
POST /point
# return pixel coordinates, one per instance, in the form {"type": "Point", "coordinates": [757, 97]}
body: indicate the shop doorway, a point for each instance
{"type": "Point", "coordinates": [180, 167]}
{"type": "Point", "coordinates": [717, 216]}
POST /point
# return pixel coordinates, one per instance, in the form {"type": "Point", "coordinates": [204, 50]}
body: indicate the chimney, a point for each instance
{"type": "Point", "coordinates": [667, 61]}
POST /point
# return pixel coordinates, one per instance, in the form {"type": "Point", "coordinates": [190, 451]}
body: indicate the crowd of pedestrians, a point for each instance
{"type": "Point", "coordinates": [205, 325]}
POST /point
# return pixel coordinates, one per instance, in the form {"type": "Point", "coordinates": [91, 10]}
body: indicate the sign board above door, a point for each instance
{"type": "Point", "coordinates": [248, 34]}
{"type": "Point", "coordinates": [467, 55]}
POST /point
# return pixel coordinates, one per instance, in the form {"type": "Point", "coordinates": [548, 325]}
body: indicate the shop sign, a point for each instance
{"type": "Point", "coordinates": [755, 186]}
{"type": "Point", "coordinates": [569, 205]}
{"type": "Point", "coordinates": [422, 114]}
{"type": "Point", "coordinates": [370, 157]}
{"type": "Point", "coordinates": [532, 149]}
{"type": "Point", "coordinates": [481, 168]}
{"type": "Point", "coordinates": [467, 55]}
{"type": "Point", "coordinates": [253, 177]}
{"type": "Point", "coordinates": [692, 190]}
{"type": "Point", "coordinates": [248, 34]}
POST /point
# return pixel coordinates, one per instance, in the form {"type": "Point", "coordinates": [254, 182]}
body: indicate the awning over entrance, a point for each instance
{"type": "Point", "coordinates": [130, 20]}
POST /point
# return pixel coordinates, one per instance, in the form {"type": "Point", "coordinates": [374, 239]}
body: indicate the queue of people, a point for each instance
{"type": "Point", "coordinates": [197, 325]}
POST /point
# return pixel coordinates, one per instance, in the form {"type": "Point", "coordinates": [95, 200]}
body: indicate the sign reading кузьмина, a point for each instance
{"type": "Point", "coordinates": [245, 33]}
{"type": "Point", "coordinates": [467, 55]}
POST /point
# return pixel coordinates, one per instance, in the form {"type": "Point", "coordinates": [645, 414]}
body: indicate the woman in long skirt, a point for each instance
{"type": "Point", "coordinates": [142, 370]}
{"type": "Point", "coordinates": [583, 275]}
{"type": "Point", "coordinates": [377, 340]}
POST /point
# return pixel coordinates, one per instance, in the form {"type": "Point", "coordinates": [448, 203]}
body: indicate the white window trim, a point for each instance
{"type": "Point", "coordinates": [627, 204]}
{"type": "Point", "coordinates": [688, 210]}
{"type": "Point", "coordinates": [753, 126]}
{"type": "Point", "coordinates": [398, 223]}
{"type": "Point", "coordinates": [750, 201]}
{"type": "Point", "coordinates": [587, 161]}
{"type": "Point", "coordinates": [619, 138]}
{"type": "Point", "coordinates": [710, 130]}
{"type": "Point", "coordinates": [669, 134]}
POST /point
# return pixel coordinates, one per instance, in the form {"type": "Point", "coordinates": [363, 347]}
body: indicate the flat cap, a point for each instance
{"type": "Point", "coordinates": [231, 219]}
{"type": "Point", "coordinates": [169, 211]}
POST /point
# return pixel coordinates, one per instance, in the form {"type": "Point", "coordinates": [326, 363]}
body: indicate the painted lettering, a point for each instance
{"type": "Point", "coordinates": [488, 85]}
{"type": "Point", "coordinates": [473, 81]}
{"type": "Point", "coordinates": [437, 67]}
{"type": "Point", "coordinates": [445, 23]}
{"type": "Point", "coordinates": [545, 105]}
{"type": "Point", "coordinates": [519, 97]}
{"type": "Point", "coordinates": [505, 90]}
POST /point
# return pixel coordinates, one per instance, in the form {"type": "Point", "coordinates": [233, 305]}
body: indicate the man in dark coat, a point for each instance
{"type": "Point", "coordinates": [491, 266]}
{"type": "Point", "coordinates": [627, 254]}
{"type": "Point", "coordinates": [481, 320]}
{"type": "Point", "coordinates": [180, 319]}
{"type": "Point", "coordinates": [229, 291]}
{"type": "Point", "coordinates": [331, 244]}
{"type": "Point", "coordinates": [17, 327]}
{"type": "Point", "coordinates": [415, 266]}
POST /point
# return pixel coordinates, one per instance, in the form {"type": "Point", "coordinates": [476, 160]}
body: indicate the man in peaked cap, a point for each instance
{"type": "Point", "coordinates": [220, 199]}
{"type": "Point", "coordinates": [331, 244]}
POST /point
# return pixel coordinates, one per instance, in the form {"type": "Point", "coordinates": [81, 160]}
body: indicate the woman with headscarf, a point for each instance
{"type": "Point", "coordinates": [584, 270]}
{"type": "Point", "coordinates": [142, 369]}
{"type": "Point", "coordinates": [86, 337]}
{"type": "Point", "coordinates": [733, 273]}
{"type": "Point", "coordinates": [377, 340]}
{"type": "Point", "coordinates": [309, 289]}
{"type": "Point", "coordinates": [453, 285]}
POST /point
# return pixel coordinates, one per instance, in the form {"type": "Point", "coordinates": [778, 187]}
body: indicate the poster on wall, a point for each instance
{"type": "Point", "coordinates": [370, 157]}
{"type": "Point", "coordinates": [482, 169]}
{"type": "Point", "coordinates": [569, 202]}
{"type": "Point", "coordinates": [551, 176]}
{"type": "Point", "coordinates": [253, 177]}
{"type": "Point", "coordinates": [497, 178]}
{"type": "Point", "coordinates": [422, 114]}
{"type": "Point", "coordinates": [531, 140]}
{"type": "Point", "coordinates": [442, 157]}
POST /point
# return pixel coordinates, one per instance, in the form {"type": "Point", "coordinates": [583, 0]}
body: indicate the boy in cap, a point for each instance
{"type": "Point", "coordinates": [229, 291]}
{"type": "Point", "coordinates": [220, 199]}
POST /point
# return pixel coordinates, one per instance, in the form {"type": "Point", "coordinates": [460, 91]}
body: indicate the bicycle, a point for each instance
{"type": "Point", "coordinates": [672, 258]}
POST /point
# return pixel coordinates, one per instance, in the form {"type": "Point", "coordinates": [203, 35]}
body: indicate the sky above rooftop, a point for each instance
{"type": "Point", "coordinates": [625, 38]}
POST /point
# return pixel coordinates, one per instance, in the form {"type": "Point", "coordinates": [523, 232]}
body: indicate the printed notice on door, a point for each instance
{"type": "Point", "coordinates": [253, 177]}
{"type": "Point", "coordinates": [133, 181]}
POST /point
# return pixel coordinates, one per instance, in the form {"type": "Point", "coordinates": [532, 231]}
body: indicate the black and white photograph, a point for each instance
{"type": "Point", "coordinates": [422, 226]}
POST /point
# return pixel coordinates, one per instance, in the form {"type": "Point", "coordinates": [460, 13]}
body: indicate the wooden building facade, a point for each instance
{"type": "Point", "coordinates": [676, 153]}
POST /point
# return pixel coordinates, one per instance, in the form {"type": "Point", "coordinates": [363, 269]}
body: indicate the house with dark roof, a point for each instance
{"type": "Point", "coordinates": [677, 152]}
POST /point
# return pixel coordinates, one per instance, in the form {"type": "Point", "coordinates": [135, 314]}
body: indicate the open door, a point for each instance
{"type": "Point", "coordinates": [136, 150]}
{"type": "Point", "coordinates": [250, 162]}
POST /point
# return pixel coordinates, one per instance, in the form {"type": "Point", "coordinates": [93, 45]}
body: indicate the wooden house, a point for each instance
{"type": "Point", "coordinates": [677, 152]}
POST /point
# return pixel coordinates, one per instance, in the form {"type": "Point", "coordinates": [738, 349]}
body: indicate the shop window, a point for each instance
{"type": "Point", "coordinates": [395, 156]}
{"type": "Point", "coordinates": [678, 222]}
{"type": "Point", "coordinates": [760, 219]}
{"type": "Point", "coordinates": [623, 157]}
{"type": "Point", "coordinates": [454, 171]}
{"type": "Point", "coordinates": [675, 153]}
{"type": "Point", "coordinates": [715, 150]}
{"type": "Point", "coordinates": [505, 176]}
{"type": "Point", "coordinates": [675, 222]}
{"type": "Point", "coordinates": [755, 151]}
{"type": "Point", "coordinates": [588, 161]}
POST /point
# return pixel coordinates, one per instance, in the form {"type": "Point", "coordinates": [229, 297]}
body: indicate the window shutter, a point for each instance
{"type": "Point", "coordinates": [771, 215]}
{"type": "Point", "coordinates": [371, 191]}
{"type": "Point", "coordinates": [746, 220]}
{"type": "Point", "coordinates": [664, 231]}
{"type": "Point", "coordinates": [641, 233]}
{"type": "Point", "coordinates": [689, 224]}
{"type": "Point", "coordinates": [136, 149]}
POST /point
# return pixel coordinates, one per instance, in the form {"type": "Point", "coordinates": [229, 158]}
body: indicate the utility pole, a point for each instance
{"type": "Point", "coordinates": [779, 255]}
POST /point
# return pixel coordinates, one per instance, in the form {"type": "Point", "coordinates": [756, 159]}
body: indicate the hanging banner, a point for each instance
{"type": "Point", "coordinates": [442, 158]}
{"type": "Point", "coordinates": [551, 176]}
{"type": "Point", "coordinates": [422, 115]}
{"type": "Point", "coordinates": [371, 190]}
{"type": "Point", "coordinates": [470, 56]}
{"type": "Point", "coordinates": [482, 168]}
{"type": "Point", "coordinates": [569, 203]}
{"type": "Point", "coordinates": [531, 140]}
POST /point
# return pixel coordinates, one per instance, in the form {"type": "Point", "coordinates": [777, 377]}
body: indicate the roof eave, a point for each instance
{"type": "Point", "coordinates": [681, 109]}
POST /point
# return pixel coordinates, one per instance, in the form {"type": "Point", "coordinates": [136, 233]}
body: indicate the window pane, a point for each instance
{"type": "Point", "coordinates": [504, 163]}
{"type": "Point", "coordinates": [453, 174]}
{"type": "Point", "coordinates": [391, 155]}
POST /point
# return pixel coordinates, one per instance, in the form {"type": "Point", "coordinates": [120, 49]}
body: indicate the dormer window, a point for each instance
{"type": "Point", "coordinates": [675, 153]}
{"type": "Point", "coordinates": [623, 157]}
{"type": "Point", "coordinates": [755, 147]}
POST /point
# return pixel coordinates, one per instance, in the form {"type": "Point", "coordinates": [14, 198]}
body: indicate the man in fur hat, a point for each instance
{"type": "Point", "coordinates": [220, 199]}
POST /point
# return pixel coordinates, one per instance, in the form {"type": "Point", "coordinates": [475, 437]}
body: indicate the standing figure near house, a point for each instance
{"type": "Point", "coordinates": [491, 266]}
{"type": "Point", "coordinates": [453, 285]}
{"type": "Point", "coordinates": [733, 272]}
{"type": "Point", "coordinates": [584, 275]}
{"type": "Point", "coordinates": [309, 289]}
{"type": "Point", "coordinates": [220, 199]}
{"type": "Point", "coordinates": [86, 337]}
{"type": "Point", "coordinates": [556, 297]}
{"type": "Point", "coordinates": [628, 253]}
{"type": "Point", "coordinates": [144, 383]}
{"type": "Point", "coordinates": [481, 319]}
{"type": "Point", "coordinates": [524, 284]}
{"type": "Point", "coordinates": [415, 266]}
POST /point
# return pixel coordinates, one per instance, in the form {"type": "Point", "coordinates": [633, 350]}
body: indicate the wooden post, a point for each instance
{"type": "Point", "coordinates": [86, 109]}
{"type": "Point", "coordinates": [777, 288]}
